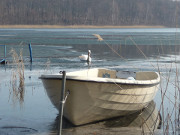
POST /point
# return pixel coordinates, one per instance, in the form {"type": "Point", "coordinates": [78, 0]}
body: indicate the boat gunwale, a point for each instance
{"type": "Point", "coordinates": [103, 80]}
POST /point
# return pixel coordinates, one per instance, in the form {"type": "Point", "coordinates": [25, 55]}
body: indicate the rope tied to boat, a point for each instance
{"type": "Point", "coordinates": [65, 98]}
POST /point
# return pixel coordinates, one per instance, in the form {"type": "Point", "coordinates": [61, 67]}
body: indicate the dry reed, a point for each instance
{"type": "Point", "coordinates": [47, 65]}
{"type": "Point", "coordinates": [98, 37]}
{"type": "Point", "coordinates": [169, 125]}
{"type": "Point", "coordinates": [17, 80]}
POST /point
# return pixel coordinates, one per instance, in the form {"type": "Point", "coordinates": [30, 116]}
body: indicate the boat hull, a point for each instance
{"type": "Point", "coordinates": [91, 101]}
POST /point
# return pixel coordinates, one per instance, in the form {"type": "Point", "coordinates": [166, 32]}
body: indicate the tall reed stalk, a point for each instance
{"type": "Point", "coordinates": [17, 80]}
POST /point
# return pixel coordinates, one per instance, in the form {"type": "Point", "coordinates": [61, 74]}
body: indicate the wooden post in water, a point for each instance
{"type": "Point", "coordinates": [5, 54]}
{"type": "Point", "coordinates": [61, 106]}
{"type": "Point", "coordinates": [30, 51]}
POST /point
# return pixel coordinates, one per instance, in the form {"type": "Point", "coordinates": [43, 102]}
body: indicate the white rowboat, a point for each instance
{"type": "Point", "coordinates": [98, 94]}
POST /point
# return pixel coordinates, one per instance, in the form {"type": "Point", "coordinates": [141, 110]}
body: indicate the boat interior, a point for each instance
{"type": "Point", "coordinates": [113, 74]}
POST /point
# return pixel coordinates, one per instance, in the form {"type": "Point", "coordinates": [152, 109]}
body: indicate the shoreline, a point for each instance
{"type": "Point", "coordinates": [74, 26]}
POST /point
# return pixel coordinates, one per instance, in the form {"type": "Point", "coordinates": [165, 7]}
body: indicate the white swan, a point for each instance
{"type": "Point", "coordinates": [86, 57]}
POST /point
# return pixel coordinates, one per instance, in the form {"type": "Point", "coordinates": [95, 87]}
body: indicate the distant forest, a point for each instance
{"type": "Point", "coordinates": [90, 12]}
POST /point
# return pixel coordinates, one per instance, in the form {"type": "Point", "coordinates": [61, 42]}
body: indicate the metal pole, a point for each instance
{"type": "Point", "coordinates": [61, 106]}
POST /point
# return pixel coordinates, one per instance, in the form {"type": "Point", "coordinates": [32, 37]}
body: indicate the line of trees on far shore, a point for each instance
{"type": "Point", "coordinates": [90, 12]}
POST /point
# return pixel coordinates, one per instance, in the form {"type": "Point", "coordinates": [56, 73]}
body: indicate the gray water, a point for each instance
{"type": "Point", "coordinates": [55, 50]}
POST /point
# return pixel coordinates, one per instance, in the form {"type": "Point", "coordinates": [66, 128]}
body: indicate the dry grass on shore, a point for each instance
{"type": "Point", "coordinates": [75, 26]}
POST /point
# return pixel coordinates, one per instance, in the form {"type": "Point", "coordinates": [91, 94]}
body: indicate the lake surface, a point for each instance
{"type": "Point", "coordinates": [56, 50]}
